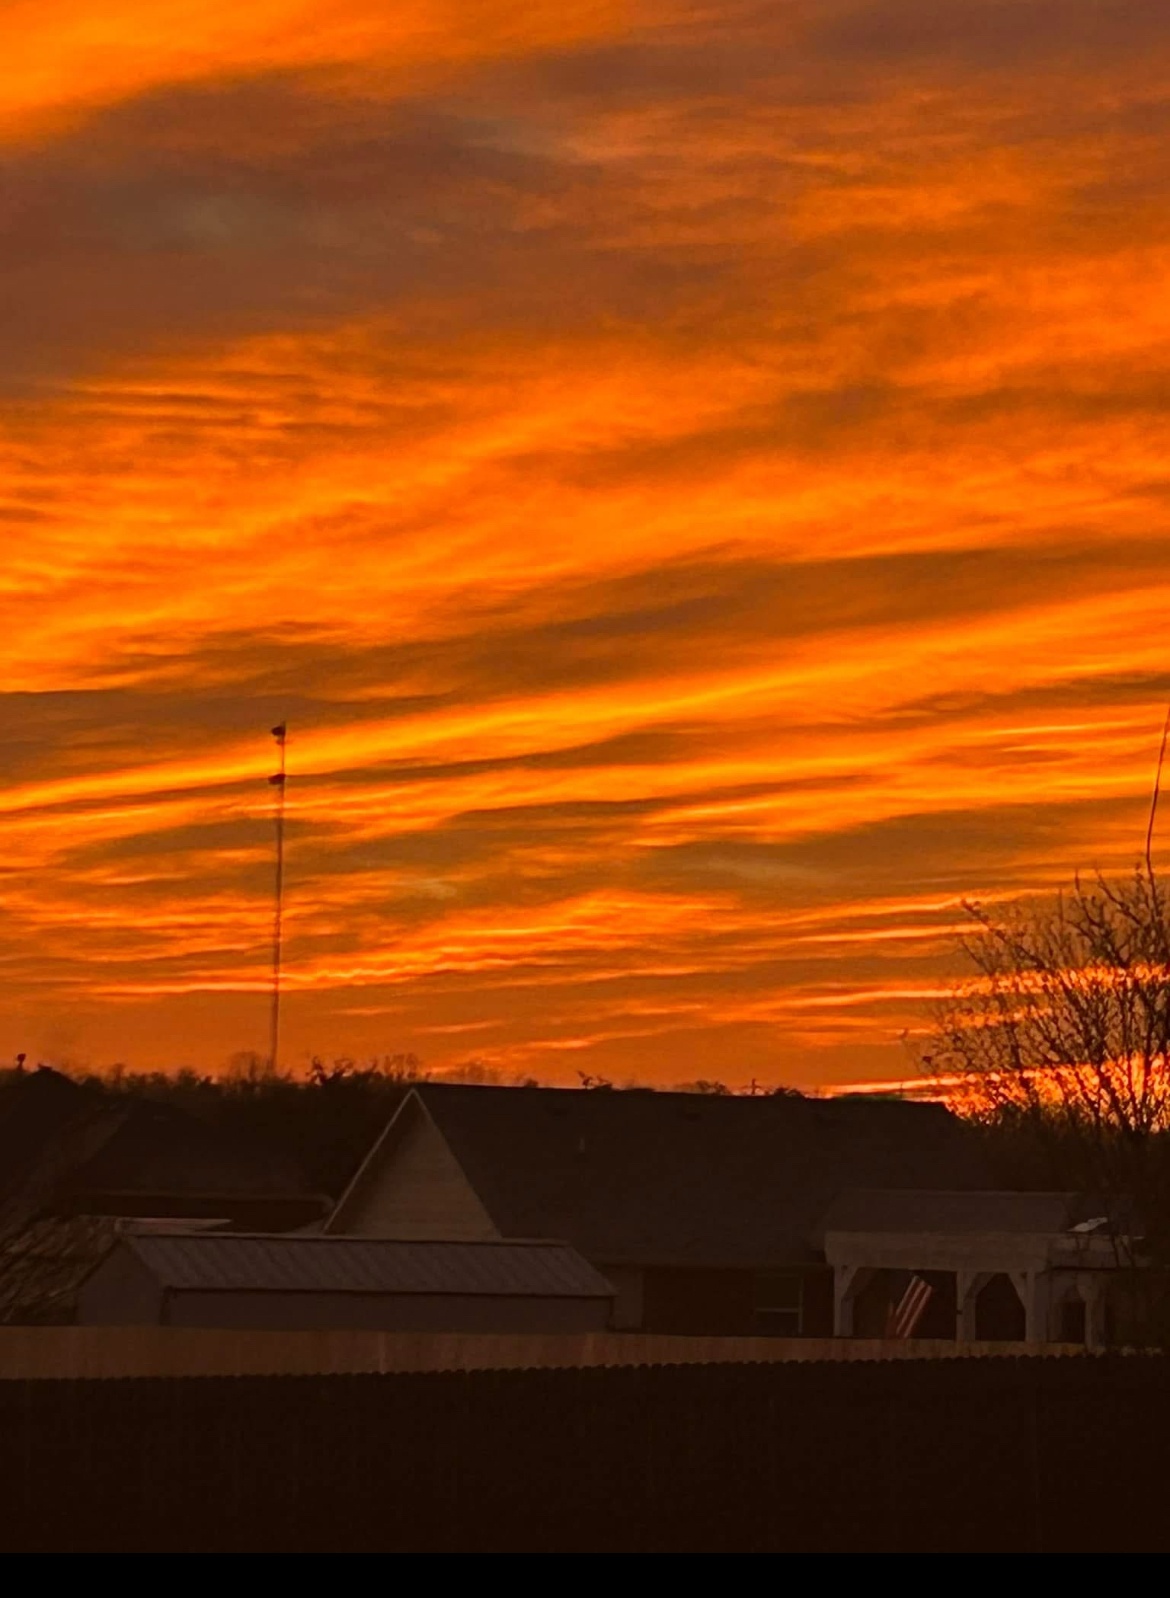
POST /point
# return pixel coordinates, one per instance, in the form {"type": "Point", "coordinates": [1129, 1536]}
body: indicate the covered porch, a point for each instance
{"type": "Point", "coordinates": [1043, 1286]}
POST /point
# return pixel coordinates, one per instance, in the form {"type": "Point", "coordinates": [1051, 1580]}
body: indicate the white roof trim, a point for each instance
{"type": "Point", "coordinates": [357, 1180]}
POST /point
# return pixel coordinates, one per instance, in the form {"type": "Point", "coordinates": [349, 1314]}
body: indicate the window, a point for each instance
{"type": "Point", "coordinates": [779, 1301]}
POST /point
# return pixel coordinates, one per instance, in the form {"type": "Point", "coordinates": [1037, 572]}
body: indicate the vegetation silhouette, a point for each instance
{"type": "Point", "coordinates": [1058, 1044]}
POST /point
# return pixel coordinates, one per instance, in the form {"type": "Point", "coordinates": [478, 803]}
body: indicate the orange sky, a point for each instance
{"type": "Point", "coordinates": [693, 474]}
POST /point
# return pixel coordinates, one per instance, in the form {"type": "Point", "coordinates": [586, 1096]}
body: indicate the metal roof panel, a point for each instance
{"type": "Point", "coordinates": [202, 1262]}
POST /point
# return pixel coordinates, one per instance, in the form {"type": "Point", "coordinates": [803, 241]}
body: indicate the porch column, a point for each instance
{"type": "Point", "coordinates": [1093, 1290]}
{"type": "Point", "coordinates": [848, 1281]}
{"type": "Point", "coordinates": [1032, 1286]}
{"type": "Point", "coordinates": [968, 1286]}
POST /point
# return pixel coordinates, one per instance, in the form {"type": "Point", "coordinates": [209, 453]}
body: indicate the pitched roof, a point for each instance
{"type": "Point", "coordinates": [43, 1266]}
{"type": "Point", "coordinates": [949, 1213]}
{"type": "Point", "coordinates": [157, 1149]}
{"type": "Point", "coordinates": [283, 1264]}
{"type": "Point", "coordinates": [48, 1125]}
{"type": "Point", "coordinates": [73, 1157]}
{"type": "Point", "coordinates": [66, 1146]}
{"type": "Point", "coordinates": [680, 1178]}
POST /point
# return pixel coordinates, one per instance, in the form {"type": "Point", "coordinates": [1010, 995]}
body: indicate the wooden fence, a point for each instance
{"type": "Point", "coordinates": [118, 1351]}
{"type": "Point", "coordinates": [879, 1456]}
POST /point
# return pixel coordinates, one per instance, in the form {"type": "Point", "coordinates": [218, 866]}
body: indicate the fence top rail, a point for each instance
{"type": "Point", "coordinates": [56, 1352]}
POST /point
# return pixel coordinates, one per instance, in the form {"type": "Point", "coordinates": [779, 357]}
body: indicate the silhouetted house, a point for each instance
{"type": "Point", "coordinates": [75, 1159]}
{"type": "Point", "coordinates": [342, 1283]}
{"type": "Point", "coordinates": [702, 1210]}
{"type": "Point", "coordinates": [1035, 1267]}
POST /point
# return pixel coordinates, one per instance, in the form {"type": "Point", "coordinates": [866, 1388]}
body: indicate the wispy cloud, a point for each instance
{"type": "Point", "coordinates": [693, 476]}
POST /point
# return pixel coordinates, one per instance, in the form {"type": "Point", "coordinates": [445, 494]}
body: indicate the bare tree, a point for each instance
{"type": "Point", "coordinates": [1062, 1030]}
{"type": "Point", "coordinates": [1069, 1010]}
{"type": "Point", "coordinates": [1062, 1036]}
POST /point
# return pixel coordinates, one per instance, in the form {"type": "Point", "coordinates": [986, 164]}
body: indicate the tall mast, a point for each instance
{"type": "Point", "coordinates": [280, 783]}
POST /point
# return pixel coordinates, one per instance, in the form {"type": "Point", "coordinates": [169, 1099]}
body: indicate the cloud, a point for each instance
{"type": "Point", "coordinates": [691, 475]}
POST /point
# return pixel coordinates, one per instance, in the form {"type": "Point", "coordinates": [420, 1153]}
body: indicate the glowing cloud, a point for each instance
{"type": "Point", "coordinates": [693, 477]}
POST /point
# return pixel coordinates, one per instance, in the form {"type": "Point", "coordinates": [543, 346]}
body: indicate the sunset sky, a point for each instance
{"type": "Point", "coordinates": [694, 476]}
